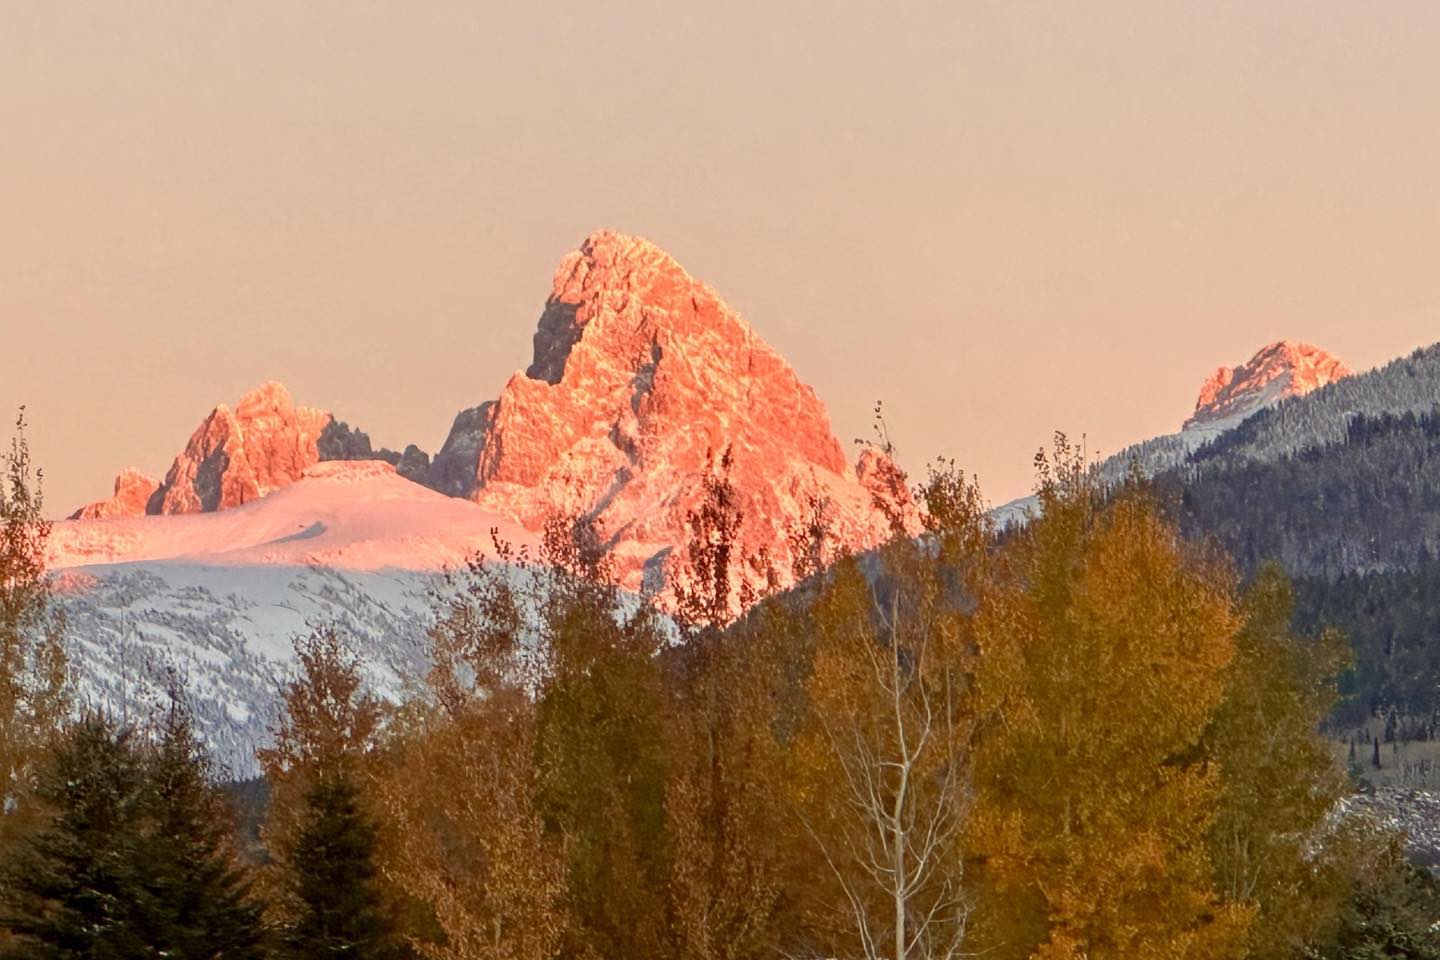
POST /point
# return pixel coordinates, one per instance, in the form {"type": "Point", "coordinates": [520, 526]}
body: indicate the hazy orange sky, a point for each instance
{"type": "Point", "coordinates": [1001, 218]}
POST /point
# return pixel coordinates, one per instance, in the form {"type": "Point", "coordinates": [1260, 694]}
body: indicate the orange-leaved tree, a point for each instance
{"type": "Point", "coordinates": [1275, 842]}
{"type": "Point", "coordinates": [725, 809]}
{"type": "Point", "coordinates": [33, 678]}
{"type": "Point", "coordinates": [883, 782]}
{"type": "Point", "coordinates": [462, 782]}
{"type": "Point", "coordinates": [1104, 646]}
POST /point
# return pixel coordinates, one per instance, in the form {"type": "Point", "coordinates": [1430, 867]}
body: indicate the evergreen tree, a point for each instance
{"type": "Point", "coordinates": [330, 721]}
{"type": "Point", "coordinates": [1392, 915]}
{"type": "Point", "coordinates": [334, 879]}
{"type": "Point", "coordinates": [197, 898]}
{"type": "Point", "coordinates": [73, 888]}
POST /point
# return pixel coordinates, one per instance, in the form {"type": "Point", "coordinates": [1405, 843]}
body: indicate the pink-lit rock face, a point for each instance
{"type": "Point", "coordinates": [642, 377]}
{"type": "Point", "coordinates": [1278, 370]}
{"type": "Point", "coordinates": [133, 490]}
{"type": "Point", "coordinates": [641, 380]}
{"type": "Point", "coordinates": [237, 456]}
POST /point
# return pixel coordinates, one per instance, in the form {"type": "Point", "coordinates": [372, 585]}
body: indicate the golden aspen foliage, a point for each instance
{"type": "Point", "coordinates": [724, 807]}
{"type": "Point", "coordinates": [1274, 842]}
{"type": "Point", "coordinates": [1104, 644]}
{"type": "Point", "coordinates": [460, 782]}
{"type": "Point", "coordinates": [33, 670]}
{"type": "Point", "coordinates": [882, 765]}
{"type": "Point", "coordinates": [459, 793]}
{"type": "Point", "coordinates": [555, 627]}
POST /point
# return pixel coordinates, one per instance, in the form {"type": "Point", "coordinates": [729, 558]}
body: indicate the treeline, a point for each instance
{"type": "Point", "coordinates": [1392, 621]}
{"type": "Point", "coordinates": [1357, 523]}
{"type": "Point", "coordinates": [1085, 741]}
{"type": "Point", "coordinates": [1368, 502]}
{"type": "Point", "coordinates": [1404, 385]}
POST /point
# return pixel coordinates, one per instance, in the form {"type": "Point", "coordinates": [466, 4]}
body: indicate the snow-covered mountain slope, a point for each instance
{"type": "Point", "coordinates": [224, 632]}
{"type": "Point", "coordinates": [1409, 384]}
{"type": "Point", "coordinates": [350, 515]}
{"type": "Point", "coordinates": [214, 599]}
{"type": "Point", "coordinates": [1277, 372]}
{"type": "Point", "coordinates": [274, 515]}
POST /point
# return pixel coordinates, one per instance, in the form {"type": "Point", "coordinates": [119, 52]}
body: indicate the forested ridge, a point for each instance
{"type": "Point", "coordinates": [1409, 384]}
{"type": "Point", "coordinates": [1341, 488]}
{"type": "Point", "coordinates": [1369, 502]}
{"type": "Point", "coordinates": [1357, 523]}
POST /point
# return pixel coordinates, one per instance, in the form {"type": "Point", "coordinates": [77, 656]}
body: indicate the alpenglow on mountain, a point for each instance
{"type": "Point", "coordinates": [274, 514]}
{"type": "Point", "coordinates": [1277, 372]}
{"type": "Point", "coordinates": [642, 379]}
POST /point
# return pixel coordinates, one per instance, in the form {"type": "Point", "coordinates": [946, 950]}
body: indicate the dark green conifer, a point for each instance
{"type": "Point", "coordinates": [72, 890]}
{"type": "Point", "coordinates": [334, 880]}
{"type": "Point", "coordinates": [197, 897]}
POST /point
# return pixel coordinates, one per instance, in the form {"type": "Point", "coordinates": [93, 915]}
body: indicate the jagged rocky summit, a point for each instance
{"type": "Point", "coordinates": [1277, 371]}
{"type": "Point", "coordinates": [641, 381]}
{"type": "Point", "coordinates": [236, 456]}
{"type": "Point", "coordinates": [1231, 395]}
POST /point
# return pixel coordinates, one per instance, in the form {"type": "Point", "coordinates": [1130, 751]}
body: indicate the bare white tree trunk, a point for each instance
{"type": "Point", "coordinates": [903, 775]}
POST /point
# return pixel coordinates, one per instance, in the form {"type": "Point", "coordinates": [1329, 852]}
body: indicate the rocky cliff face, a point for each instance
{"type": "Point", "coordinates": [1276, 371]}
{"type": "Point", "coordinates": [133, 491]}
{"type": "Point", "coordinates": [641, 379]}
{"type": "Point", "coordinates": [240, 455]}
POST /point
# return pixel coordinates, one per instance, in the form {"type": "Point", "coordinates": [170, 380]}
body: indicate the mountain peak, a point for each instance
{"type": "Point", "coordinates": [133, 490]}
{"type": "Point", "coordinates": [610, 271]}
{"type": "Point", "coordinates": [641, 378]}
{"type": "Point", "coordinates": [272, 395]}
{"type": "Point", "coordinates": [239, 455]}
{"type": "Point", "coordinates": [1278, 370]}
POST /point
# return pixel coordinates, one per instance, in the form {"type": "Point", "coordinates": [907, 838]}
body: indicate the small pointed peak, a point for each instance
{"type": "Point", "coordinates": [133, 489]}
{"type": "Point", "coordinates": [627, 276]}
{"type": "Point", "coordinates": [131, 476]}
{"type": "Point", "coordinates": [272, 395]}
{"type": "Point", "coordinates": [1284, 368]}
{"type": "Point", "coordinates": [608, 260]}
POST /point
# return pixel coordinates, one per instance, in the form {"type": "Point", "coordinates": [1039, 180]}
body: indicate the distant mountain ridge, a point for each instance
{"type": "Point", "coordinates": [1277, 372]}
{"type": "Point", "coordinates": [642, 380]}
{"type": "Point", "coordinates": [1344, 480]}
{"type": "Point", "coordinates": [237, 456]}
{"type": "Point", "coordinates": [1340, 484]}
{"type": "Point", "coordinates": [1341, 487]}
{"type": "Point", "coordinates": [273, 514]}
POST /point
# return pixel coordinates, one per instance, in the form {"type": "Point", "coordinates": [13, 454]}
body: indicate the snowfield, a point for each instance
{"type": "Point", "coordinates": [215, 599]}
{"type": "Point", "coordinates": [350, 515]}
